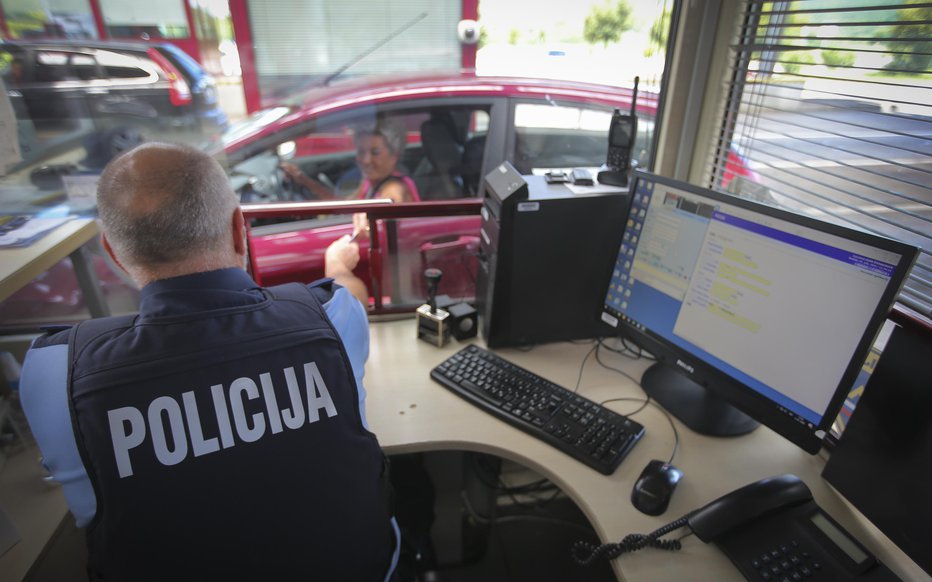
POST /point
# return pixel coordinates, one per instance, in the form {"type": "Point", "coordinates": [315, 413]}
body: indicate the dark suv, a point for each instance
{"type": "Point", "coordinates": [110, 95]}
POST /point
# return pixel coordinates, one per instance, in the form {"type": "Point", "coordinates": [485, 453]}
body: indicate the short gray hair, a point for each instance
{"type": "Point", "coordinates": [163, 203]}
{"type": "Point", "coordinates": [391, 130]}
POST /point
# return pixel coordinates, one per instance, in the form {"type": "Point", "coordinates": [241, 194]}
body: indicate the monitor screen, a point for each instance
{"type": "Point", "coordinates": [755, 314]}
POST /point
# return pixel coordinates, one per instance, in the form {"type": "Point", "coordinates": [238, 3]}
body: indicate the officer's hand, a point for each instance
{"type": "Point", "coordinates": [342, 256]}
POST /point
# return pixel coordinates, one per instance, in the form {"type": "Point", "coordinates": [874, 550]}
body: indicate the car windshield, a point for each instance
{"type": "Point", "coordinates": [253, 124]}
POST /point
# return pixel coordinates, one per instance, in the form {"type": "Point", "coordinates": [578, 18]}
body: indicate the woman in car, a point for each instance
{"type": "Point", "coordinates": [378, 150]}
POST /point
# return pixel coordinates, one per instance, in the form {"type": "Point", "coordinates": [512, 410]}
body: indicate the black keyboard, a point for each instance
{"type": "Point", "coordinates": [589, 433]}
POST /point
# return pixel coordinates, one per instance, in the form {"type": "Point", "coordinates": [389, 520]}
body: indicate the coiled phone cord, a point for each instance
{"type": "Point", "coordinates": [585, 553]}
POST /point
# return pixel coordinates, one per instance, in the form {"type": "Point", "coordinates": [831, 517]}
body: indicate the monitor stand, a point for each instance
{"type": "Point", "coordinates": [696, 407]}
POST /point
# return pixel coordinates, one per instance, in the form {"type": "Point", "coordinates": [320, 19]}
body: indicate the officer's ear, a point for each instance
{"type": "Point", "coordinates": [239, 232]}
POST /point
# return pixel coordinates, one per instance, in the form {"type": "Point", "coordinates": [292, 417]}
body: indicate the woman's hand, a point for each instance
{"type": "Point", "coordinates": [360, 225]}
{"type": "Point", "coordinates": [291, 170]}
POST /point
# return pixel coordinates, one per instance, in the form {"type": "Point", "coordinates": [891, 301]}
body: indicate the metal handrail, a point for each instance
{"type": "Point", "coordinates": [375, 210]}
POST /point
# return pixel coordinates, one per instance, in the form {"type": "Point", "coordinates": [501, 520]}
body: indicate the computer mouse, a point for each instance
{"type": "Point", "coordinates": [654, 487]}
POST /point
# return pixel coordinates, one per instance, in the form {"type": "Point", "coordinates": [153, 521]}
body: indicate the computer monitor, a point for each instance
{"type": "Point", "coordinates": [755, 314]}
{"type": "Point", "coordinates": [881, 464]}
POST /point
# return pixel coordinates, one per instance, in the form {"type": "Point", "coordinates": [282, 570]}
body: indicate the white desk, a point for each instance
{"type": "Point", "coordinates": [410, 413]}
{"type": "Point", "coordinates": [21, 265]}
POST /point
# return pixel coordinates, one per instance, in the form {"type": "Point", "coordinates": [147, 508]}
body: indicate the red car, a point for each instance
{"type": "Point", "coordinates": [459, 126]}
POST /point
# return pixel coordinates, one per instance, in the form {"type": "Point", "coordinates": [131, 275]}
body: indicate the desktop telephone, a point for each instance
{"type": "Point", "coordinates": [770, 530]}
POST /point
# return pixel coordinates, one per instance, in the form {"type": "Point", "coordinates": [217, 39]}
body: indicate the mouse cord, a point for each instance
{"type": "Point", "coordinates": [585, 553]}
{"type": "Point", "coordinates": [583, 365]}
{"type": "Point", "coordinates": [645, 402]}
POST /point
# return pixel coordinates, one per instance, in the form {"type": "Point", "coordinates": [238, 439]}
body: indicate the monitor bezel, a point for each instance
{"type": "Point", "coordinates": [806, 435]}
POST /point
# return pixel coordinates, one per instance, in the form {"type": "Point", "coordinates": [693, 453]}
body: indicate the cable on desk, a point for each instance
{"type": "Point", "coordinates": [583, 365]}
{"type": "Point", "coordinates": [644, 403]}
{"type": "Point", "coordinates": [613, 369]}
{"type": "Point", "coordinates": [647, 399]}
{"type": "Point", "coordinates": [585, 553]}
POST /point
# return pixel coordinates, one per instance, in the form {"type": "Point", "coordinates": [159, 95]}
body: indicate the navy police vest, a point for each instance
{"type": "Point", "coordinates": [227, 445]}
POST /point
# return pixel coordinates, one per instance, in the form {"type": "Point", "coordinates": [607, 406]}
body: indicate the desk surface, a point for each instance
{"type": "Point", "coordinates": [21, 265]}
{"type": "Point", "coordinates": [410, 413]}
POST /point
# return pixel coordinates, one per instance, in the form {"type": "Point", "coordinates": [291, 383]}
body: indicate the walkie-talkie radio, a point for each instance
{"type": "Point", "coordinates": [621, 135]}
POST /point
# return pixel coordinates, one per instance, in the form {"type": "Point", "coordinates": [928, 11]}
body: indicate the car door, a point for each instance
{"type": "Point", "coordinates": [52, 91]}
{"type": "Point", "coordinates": [129, 91]}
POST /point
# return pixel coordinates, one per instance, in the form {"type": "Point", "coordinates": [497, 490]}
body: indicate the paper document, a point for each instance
{"type": "Point", "coordinates": [22, 231]}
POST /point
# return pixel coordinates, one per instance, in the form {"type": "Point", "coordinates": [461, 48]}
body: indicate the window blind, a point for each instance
{"type": "Point", "coordinates": [828, 113]}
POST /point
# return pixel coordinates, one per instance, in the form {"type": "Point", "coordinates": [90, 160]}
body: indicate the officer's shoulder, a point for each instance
{"type": "Point", "coordinates": [324, 289]}
{"type": "Point", "coordinates": [52, 335]}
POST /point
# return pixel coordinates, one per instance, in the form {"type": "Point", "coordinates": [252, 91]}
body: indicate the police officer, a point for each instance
{"type": "Point", "coordinates": [220, 434]}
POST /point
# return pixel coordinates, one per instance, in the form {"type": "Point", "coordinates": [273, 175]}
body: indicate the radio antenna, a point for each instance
{"type": "Point", "coordinates": [634, 96]}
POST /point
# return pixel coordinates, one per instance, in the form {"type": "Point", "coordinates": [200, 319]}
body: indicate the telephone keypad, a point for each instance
{"type": "Point", "coordinates": [786, 563]}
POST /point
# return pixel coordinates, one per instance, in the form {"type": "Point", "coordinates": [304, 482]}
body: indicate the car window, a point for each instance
{"type": "Point", "coordinates": [442, 156]}
{"type": "Point", "coordinates": [444, 147]}
{"type": "Point", "coordinates": [51, 66]}
{"type": "Point", "coordinates": [84, 67]}
{"type": "Point", "coordinates": [117, 66]}
{"type": "Point", "coordinates": [549, 136]}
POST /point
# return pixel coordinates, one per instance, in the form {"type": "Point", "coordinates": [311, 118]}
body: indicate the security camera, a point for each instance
{"type": "Point", "coordinates": [468, 31]}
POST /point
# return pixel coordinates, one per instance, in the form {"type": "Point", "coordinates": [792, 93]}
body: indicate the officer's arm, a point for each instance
{"type": "Point", "coordinates": [341, 258]}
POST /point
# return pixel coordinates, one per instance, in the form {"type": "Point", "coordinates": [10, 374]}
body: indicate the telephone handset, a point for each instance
{"type": "Point", "coordinates": [747, 504]}
{"type": "Point", "coordinates": [770, 530]}
{"type": "Point", "coordinates": [774, 530]}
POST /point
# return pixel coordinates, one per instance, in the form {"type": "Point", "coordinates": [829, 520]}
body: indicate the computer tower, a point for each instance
{"type": "Point", "coordinates": [545, 256]}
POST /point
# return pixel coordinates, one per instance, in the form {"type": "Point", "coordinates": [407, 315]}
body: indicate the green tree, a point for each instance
{"type": "Point", "coordinates": [916, 53]}
{"type": "Point", "coordinates": [22, 23]}
{"type": "Point", "coordinates": [831, 58]}
{"type": "Point", "coordinates": [513, 36]}
{"type": "Point", "coordinates": [659, 33]}
{"type": "Point", "coordinates": [607, 23]}
{"type": "Point", "coordinates": [793, 61]}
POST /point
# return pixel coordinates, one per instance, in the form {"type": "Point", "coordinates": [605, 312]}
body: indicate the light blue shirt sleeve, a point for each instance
{"type": "Point", "coordinates": [349, 318]}
{"type": "Point", "coordinates": [44, 396]}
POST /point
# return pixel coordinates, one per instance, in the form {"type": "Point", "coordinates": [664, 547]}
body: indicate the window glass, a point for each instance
{"type": "Point", "coordinates": [829, 115]}
{"type": "Point", "coordinates": [442, 156]}
{"type": "Point", "coordinates": [442, 160]}
{"type": "Point", "coordinates": [125, 66]}
{"type": "Point", "coordinates": [84, 67]}
{"type": "Point", "coordinates": [368, 37]}
{"type": "Point", "coordinates": [49, 18]}
{"type": "Point", "coordinates": [147, 19]}
{"type": "Point", "coordinates": [51, 66]}
{"type": "Point", "coordinates": [551, 136]}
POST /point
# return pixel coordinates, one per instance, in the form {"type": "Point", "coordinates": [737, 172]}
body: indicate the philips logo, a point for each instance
{"type": "Point", "coordinates": [685, 366]}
